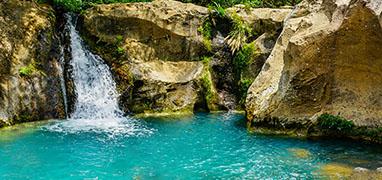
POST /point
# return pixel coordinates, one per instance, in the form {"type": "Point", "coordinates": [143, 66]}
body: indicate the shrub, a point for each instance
{"type": "Point", "coordinates": [331, 122]}
{"type": "Point", "coordinates": [239, 33]}
{"type": "Point", "coordinates": [218, 9]}
{"type": "Point", "coordinates": [244, 57]}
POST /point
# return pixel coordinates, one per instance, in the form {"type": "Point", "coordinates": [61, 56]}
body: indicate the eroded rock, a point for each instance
{"type": "Point", "coordinates": [157, 66]}
{"type": "Point", "coordinates": [328, 59]}
{"type": "Point", "coordinates": [29, 80]}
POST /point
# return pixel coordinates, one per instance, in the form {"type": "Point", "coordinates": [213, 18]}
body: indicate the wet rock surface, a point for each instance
{"type": "Point", "coordinates": [29, 79]}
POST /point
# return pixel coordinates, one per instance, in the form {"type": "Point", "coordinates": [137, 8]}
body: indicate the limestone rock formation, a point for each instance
{"type": "Point", "coordinates": [262, 19]}
{"type": "Point", "coordinates": [266, 24]}
{"type": "Point", "coordinates": [328, 59]}
{"type": "Point", "coordinates": [29, 83]}
{"type": "Point", "coordinates": [154, 49]}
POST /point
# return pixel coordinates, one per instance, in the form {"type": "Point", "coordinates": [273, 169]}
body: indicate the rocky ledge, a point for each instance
{"type": "Point", "coordinates": [324, 74]}
{"type": "Point", "coordinates": [162, 60]}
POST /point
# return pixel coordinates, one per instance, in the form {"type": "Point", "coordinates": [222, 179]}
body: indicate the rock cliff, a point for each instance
{"type": "Point", "coordinates": [154, 49]}
{"type": "Point", "coordinates": [162, 60]}
{"type": "Point", "coordinates": [327, 60]}
{"type": "Point", "coordinates": [29, 82]}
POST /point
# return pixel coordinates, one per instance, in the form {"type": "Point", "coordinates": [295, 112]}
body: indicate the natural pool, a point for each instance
{"type": "Point", "coordinates": [203, 146]}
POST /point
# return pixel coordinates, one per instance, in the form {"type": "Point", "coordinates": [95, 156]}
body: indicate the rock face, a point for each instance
{"type": "Point", "coordinates": [266, 25]}
{"type": "Point", "coordinates": [328, 59]}
{"type": "Point", "coordinates": [29, 83]}
{"type": "Point", "coordinates": [156, 51]}
{"type": "Point", "coordinates": [153, 49]}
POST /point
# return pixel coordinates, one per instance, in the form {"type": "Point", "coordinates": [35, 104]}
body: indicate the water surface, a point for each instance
{"type": "Point", "coordinates": [204, 146]}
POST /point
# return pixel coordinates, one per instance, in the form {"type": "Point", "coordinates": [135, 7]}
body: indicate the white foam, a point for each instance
{"type": "Point", "coordinates": [96, 108]}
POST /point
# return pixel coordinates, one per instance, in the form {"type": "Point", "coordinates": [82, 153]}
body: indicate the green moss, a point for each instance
{"type": "Point", "coordinates": [207, 84]}
{"type": "Point", "coordinates": [206, 32]}
{"type": "Point", "coordinates": [120, 51]}
{"type": "Point", "coordinates": [244, 85]}
{"type": "Point", "coordinates": [206, 60]}
{"type": "Point", "coordinates": [337, 123]}
{"type": "Point", "coordinates": [244, 57]}
{"type": "Point", "coordinates": [242, 60]}
{"type": "Point", "coordinates": [27, 71]}
{"type": "Point", "coordinates": [118, 40]}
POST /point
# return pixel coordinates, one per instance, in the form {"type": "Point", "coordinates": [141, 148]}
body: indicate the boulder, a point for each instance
{"type": "Point", "coordinates": [159, 30]}
{"type": "Point", "coordinates": [165, 87]}
{"type": "Point", "coordinates": [327, 59]}
{"type": "Point", "coordinates": [29, 75]}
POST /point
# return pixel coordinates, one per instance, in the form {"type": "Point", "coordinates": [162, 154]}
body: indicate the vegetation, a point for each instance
{"type": "Point", "coordinates": [337, 123]}
{"type": "Point", "coordinates": [244, 85]}
{"type": "Point", "coordinates": [244, 57]}
{"type": "Point", "coordinates": [78, 5]}
{"type": "Point", "coordinates": [118, 44]}
{"type": "Point", "coordinates": [29, 70]}
{"type": "Point", "coordinates": [252, 3]}
{"type": "Point", "coordinates": [239, 33]}
{"type": "Point", "coordinates": [207, 85]}
{"type": "Point", "coordinates": [241, 61]}
{"type": "Point", "coordinates": [206, 31]}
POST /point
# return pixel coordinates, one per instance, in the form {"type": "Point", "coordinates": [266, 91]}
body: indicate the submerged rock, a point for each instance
{"type": "Point", "coordinates": [300, 153]}
{"type": "Point", "coordinates": [328, 59]}
{"type": "Point", "coordinates": [336, 171]}
{"type": "Point", "coordinates": [29, 79]}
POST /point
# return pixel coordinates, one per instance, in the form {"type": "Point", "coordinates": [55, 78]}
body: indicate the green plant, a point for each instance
{"type": "Point", "coordinates": [206, 31]}
{"type": "Point", "coordinates": [206, 60]}
{"type": "Point", "coordinates": [69, 5]}
{"type": "Point", "coordinates": [332, 122]}
{"type": "Point", "coordinates": [29, 70]}
{"type": "Point", "coordinates": [218, 9]}
{"type": "Point", "coordinates": [120, 50]}
{"type": "Point", "coordinates": [239, 33]}
{"type": "Point", "coordinates": [208, 87]}
{"type": "Point", "coordinates": [26, 71]}
{"type": "Point", "coordinates": [244, 85]}
{"type": "Point", "coordinates": [244, 57]}
{"type": "Point", "coordinates": [118, 39]}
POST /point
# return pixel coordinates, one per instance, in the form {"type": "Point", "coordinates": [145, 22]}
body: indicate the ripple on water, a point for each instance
{"type": "Point", "coordinates": [204, 146]}
{"type": "Point", "coordinates": [112, 127]}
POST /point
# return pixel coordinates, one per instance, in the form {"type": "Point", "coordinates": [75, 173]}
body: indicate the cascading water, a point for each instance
{"type": "Point", "coordinates": [96, 108]}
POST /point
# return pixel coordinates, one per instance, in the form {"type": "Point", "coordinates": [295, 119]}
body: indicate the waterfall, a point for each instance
{"type": "Point", "coordinates": [96, 107]}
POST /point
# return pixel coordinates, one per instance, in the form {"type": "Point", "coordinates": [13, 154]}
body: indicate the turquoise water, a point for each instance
{"type": "Point", "coordinates": [203, 146]}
